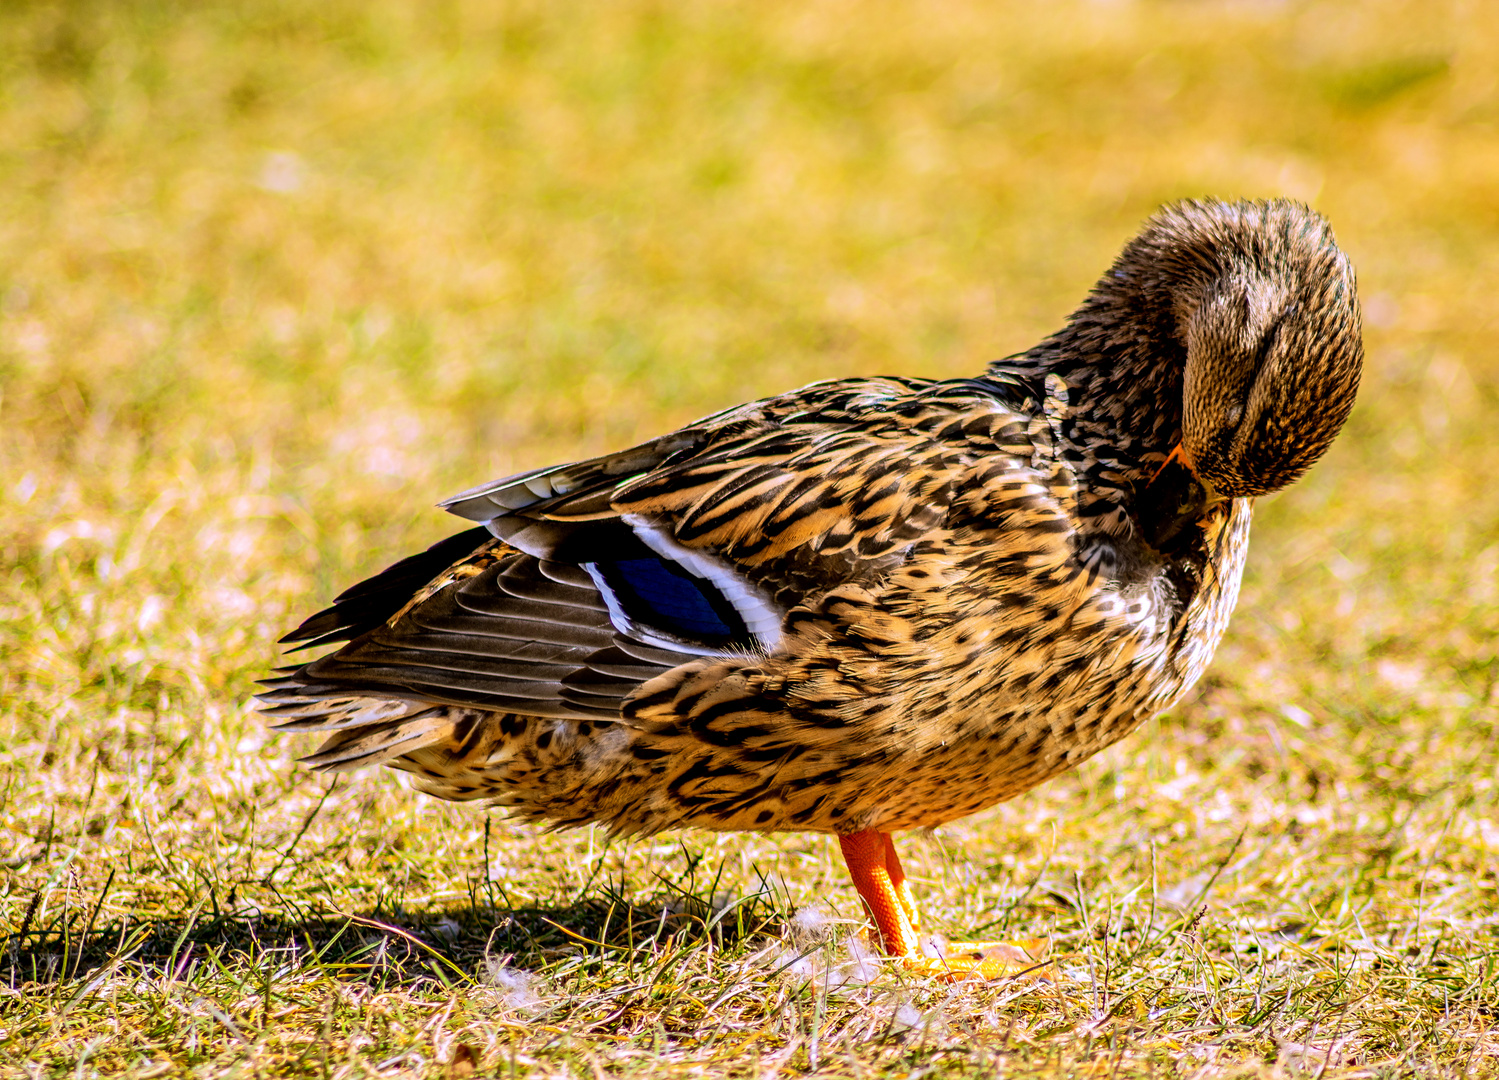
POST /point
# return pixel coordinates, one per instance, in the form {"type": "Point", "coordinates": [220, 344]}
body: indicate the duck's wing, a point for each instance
{"type": "Point", "coordinates": [590, 579]}
{"type": "Point", "coordinates": [790, 496]}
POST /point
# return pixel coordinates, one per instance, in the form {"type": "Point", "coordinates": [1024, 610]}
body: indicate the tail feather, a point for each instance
{"type": "Point", "coordinates": [313, 712]}
{"type": "Point", "coordinates": [376, 744]}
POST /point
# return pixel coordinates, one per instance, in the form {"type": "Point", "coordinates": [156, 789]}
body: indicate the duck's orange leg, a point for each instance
{"type": "Point", "coordinates": [881, 882]}
{"type": "Point", "coordinates": [898, 882]}
{"type": "Point", "coordinates": [882, 886]}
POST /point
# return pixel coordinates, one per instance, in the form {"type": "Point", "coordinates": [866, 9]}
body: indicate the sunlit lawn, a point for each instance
{"type": "Point", "coordinates": [276, 277]}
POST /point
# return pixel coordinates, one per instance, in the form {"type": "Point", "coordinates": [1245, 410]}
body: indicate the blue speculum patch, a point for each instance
{"type": "Point", "coordinates": [662, 595]}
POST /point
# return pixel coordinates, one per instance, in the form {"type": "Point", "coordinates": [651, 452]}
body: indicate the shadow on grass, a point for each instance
{"type": "Point", "coordinates": [382, 947]}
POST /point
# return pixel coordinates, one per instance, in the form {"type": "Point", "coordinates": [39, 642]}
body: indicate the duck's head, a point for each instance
{"type": "Point", "coordinates": [1265, 306]}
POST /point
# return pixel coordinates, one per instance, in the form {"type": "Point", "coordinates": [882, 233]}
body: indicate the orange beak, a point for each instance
{"type": "Point", "coordinates": [1180, 454]}
{"type": "Point", "coordinates": [1177, 454]}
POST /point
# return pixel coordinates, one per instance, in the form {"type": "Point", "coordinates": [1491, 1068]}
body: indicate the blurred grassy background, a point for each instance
{"type": "Point", "coordinates": [275, 276]}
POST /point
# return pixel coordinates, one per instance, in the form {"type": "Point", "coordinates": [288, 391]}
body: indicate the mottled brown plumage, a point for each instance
{"type": "Point", "coordinates": [866, 605]}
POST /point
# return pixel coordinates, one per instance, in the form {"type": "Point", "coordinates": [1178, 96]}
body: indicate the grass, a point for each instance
{"type": "Point", "coordinates": [274, 277]}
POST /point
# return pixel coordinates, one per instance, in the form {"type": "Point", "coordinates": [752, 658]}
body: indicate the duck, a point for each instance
{"type": "Point", "coordinates": [869, 605]}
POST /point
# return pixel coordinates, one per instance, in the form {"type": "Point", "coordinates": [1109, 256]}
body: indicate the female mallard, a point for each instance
{"type": "Point", "coordinates": [869, 604]}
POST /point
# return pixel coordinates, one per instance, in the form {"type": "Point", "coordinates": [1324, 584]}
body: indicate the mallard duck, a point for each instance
{"type": "Point", "coordinates": [870, 604]}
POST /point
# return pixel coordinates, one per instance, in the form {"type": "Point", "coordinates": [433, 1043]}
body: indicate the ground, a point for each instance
{"type": "Point", "coordinates": [275, 277]}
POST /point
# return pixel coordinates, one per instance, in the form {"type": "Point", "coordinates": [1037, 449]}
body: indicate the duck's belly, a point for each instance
{"type": "Point", "coordinates": [989, 758]}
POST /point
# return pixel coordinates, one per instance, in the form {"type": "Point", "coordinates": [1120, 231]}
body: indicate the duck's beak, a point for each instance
{"type": "Point", "coordinates": [1174, 498]}
{"type": "Point", "coordinates": [1177, 454]}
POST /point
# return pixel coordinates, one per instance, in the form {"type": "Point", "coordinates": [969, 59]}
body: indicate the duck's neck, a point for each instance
{"type": "Point", "coordinates": [1123, 372]}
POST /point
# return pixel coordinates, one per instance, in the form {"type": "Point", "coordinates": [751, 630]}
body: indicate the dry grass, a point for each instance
{"type": "Point", "coordinates": [276, 276]}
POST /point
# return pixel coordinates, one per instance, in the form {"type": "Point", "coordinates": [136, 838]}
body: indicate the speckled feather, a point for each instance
{"type": "Point", "coordinates": [920, 598]}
